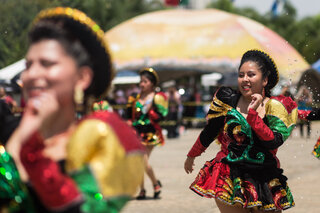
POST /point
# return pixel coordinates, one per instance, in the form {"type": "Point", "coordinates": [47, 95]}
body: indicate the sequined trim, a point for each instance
{"type": "Point", "coordinates": [219, 108]}
{"type": "Point", "coordinates": [226, 198]}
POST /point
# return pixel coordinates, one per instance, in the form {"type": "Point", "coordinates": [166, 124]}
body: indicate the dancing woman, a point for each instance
{"type": "Point", "coordinates": [250, 125]}
{"type": "Point", "coordinates": [144, 111]}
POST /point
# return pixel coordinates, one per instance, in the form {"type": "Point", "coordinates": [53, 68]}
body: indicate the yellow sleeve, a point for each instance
{"type": "Point", "coordinates": [95, 144]}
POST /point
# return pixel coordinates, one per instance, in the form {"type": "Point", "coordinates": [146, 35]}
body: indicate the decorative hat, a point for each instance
{"type": "Point", "coordinates": [90, 36]}
{"type": "Point", "coordinates": [151, 71]}
{"type": "Point", "coordinates": [273, 78]}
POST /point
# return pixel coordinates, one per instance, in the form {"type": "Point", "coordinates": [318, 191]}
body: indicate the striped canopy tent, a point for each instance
{"type": "Point", "coordinates": [177, 41]}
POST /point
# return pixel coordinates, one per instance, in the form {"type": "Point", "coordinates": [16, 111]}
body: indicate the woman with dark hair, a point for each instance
{"type": "Point", "coordinates": [144, 111]}
{"type": "Point", "coordinates": [250, 125]}
{"type": "Point", "coordinates": [94, 164]}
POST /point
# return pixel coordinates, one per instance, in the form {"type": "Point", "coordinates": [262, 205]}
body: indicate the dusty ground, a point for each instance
{"type": "Point", "coordinates": [301, 168]}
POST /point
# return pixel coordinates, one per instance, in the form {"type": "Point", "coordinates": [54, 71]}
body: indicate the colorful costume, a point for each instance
{"type": "Point", "coordinates": [102, 105]}
{"type": "Point", "coordinates": [246, 170]}
{"type": "Point", "coordinates": [146, 122]}
{"type": "Point", "coordinates": [14, 196]}
{"type": "Point", "coordinates": [312, 115]}
{"type": "Point", "coordinates": [102, 170]}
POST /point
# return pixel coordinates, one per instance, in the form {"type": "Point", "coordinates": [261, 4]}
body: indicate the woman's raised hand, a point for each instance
{"type": "Point", "coordinates": [38, 114]}
{"type": "Point", "coordinates": [255, 102]}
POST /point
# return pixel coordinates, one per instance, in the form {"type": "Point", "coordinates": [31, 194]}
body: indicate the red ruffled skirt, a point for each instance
{"type": "Point", "coordinates": [214, 181]}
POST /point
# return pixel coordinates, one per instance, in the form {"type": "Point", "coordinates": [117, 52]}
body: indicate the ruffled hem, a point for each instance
{"type": "Point", "coordinates": [151, 139]}
{"type": "Point", "coordinates": [152, 143]}
{"type": "Point", "coordinates": [238, 201]}
{"type": "Point", "coordinates": [213, 181]}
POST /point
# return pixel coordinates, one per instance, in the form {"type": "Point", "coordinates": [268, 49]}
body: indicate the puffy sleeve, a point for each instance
{"type": "Point", "coordinates": [106, 172]}
{"type": "Point", "coordinates": [57, 190]}
{"type": "Point", "coordinates": [311, 115]}
{"type": "Point", "coordinates": [215, 121]}
{"type": "Point", "coordinates": [104, 167]}
{"type": "Point", "coordinates": [314, 115]}
{"type": "Point", "coordinates": [281, 116]}
{"type": "Point", "coordinates": [160, 109]}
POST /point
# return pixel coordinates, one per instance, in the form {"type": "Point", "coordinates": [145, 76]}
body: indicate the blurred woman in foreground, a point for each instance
{"type": "Point", "coordinates": [90, 165]}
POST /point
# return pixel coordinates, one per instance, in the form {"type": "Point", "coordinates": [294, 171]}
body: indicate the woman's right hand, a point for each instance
{"type": "Point", "coordinates": [188, 165]}
{"type": "Point", "coordinates": [40, 112]}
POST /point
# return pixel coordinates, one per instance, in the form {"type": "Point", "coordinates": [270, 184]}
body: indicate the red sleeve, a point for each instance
{"type": "Point", "coordinates": [196, 149]}
{"type": "Point", "coordinates": [302, 114]}
{"type": "Point", "coordinates": [153, 115]}
{"type": "Point", "coordinates": [55, 189]}
{"type": "Point", "coordinates": [259, 127]}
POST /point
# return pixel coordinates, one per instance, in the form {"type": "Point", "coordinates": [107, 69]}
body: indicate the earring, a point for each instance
{"type": "Point", "coordinates": [78, 96]}
{"type": "Point", "coordinates": [78, 99]}
{"type": "Point", "coordinates": [263, 93]}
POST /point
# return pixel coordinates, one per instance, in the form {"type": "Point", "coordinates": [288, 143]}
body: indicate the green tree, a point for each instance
{"type": "Point", "coordinates": [16, 17]}
{"type": "Point", "coordinates": [303, 34]}
{"type": "Point", "coordinates": [225, 5]}
{"type": "Point", "coordinates": [109, 13]}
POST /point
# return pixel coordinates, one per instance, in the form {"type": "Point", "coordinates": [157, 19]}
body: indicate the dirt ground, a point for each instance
{"type": "Point", "coordinates": [301, 168]}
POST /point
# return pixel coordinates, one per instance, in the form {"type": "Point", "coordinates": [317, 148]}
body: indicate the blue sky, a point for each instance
{"type": "Point", "coordinates": [303, 7]}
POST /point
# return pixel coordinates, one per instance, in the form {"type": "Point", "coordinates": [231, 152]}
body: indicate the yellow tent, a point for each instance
{"type": "Point", "coordinates": [207, 40]}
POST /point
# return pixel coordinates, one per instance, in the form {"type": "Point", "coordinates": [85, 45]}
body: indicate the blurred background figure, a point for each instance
{"type": "Point", "coordinates": [174, 114]}
{"type": "Point", "coordinates": [286, 91]}
{"type": "Point", "coordinates": [120, 100]}
{"type": "Point", "coordinates": [7, 98]}
{"type": "Point", "coordinates": [144, 111]}
{"type": "Point", "coordinates": [304, 101]}
{"type": "Point", "coordinates": [8, 122]}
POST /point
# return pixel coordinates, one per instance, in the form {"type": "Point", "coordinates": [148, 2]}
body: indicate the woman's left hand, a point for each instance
{"type": "Point", "coordinates": [255, 102]}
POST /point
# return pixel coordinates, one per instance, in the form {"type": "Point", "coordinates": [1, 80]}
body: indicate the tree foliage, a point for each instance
{"type": "Point", "coordinates": [302, 34]}
{"type": "Point", "coordinates": [16, 17]}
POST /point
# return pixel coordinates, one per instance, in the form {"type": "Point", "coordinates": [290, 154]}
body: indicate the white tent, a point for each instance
{"type": "Point", "coordinates": [9, 72]}
{"type": "Point", "coordinates": [126, 80]}
{"type": "Point", "coordinates": [210, 79]}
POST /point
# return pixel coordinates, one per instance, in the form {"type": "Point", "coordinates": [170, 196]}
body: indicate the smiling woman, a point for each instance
{"type": "Point", "coordinates": [250, 126]}
{"type": "Point", "coordinates": [94, 164]}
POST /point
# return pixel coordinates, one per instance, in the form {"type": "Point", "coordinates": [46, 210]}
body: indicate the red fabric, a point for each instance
{"type": "Point", "coordinates": [172, 2]}
{"type": "Point", "coordinates": [8, 99]}
{"type": "Point", "coordinates": [196, 149]}
{"type": "Point", "coordinates": [158, 129]}
{"type": "Point", "coordinates": [212, 180]}
{"type": "Point", "coordinates": [261, 129]}
{"type": "Point", "coordinates": [288, 103]}
{"type": "Point", "coordinates": [302, 114]}
{"type": "Point", "coordinates": [55, 189]}
{"type": "Point", "coordinates": [126, 135]}
{"type": "Point", "coordinates": [153, 115]}
{"type": "Point", "coordinates": [224, 140]}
